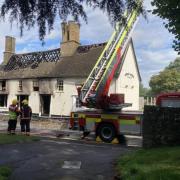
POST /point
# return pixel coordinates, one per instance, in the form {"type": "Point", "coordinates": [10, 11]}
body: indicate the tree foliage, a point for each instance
{"type": "Point", "coordinates": [169, 10]}
{"type": "Point", "coordinates": [143, 91]}
{"type": "Point", "coordinates": [42, 13]}
{"type": "Point", "coordinates": [167, 80]}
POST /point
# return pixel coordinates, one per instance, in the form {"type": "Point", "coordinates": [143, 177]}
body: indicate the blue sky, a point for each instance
{"type": "Point", "coordinates": [151, 40]}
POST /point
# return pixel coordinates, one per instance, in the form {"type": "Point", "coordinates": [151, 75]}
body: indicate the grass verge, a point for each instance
{"type": "Point", "coordinates": [9, 139]}
{"type": "Point", "coordinates": [151, 164]}
{"type": "Point", "coordinates": [5, 172]}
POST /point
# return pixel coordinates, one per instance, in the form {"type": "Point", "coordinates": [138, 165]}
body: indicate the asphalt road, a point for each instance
{"type": "Point", "coordinates": [60, 159]}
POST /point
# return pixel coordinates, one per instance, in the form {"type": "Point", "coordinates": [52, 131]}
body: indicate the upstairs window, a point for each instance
{"type": "Point", "coordinates": [60, 85]}
{"type": "Point", "coordinates": [20, 85]}
{"type": "Point", "coordinates": [2, 85]}
{"type": "Point", "coordinates": [3, 100]}
{"type": "Point", "coordinates": [35, 85]}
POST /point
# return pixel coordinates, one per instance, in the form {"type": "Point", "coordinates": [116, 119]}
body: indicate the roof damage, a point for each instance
{"type": "Point", "coordinates": [32, 60]}
{"type": "Point", "coordinates": [51, 64]}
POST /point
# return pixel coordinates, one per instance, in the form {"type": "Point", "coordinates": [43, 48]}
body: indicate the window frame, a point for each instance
{"type": "Point", "coordinates": [78, 104]}
{"type": "Point", "coordinates": [35, 85]}
{"type": "Point", "coordinates": [5, 97]}
{"type": "Point", "coordinates": [3, 85]}
{"type": "Point", "coordinates": [20, 85]}
{"type": "Point", "coordinates": [60, 85]}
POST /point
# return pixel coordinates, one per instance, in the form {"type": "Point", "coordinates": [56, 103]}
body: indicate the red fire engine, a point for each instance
{"type": "Point", "coordinates": [168, 99]}
{"type": "Point", "coordinates": [104, 115]}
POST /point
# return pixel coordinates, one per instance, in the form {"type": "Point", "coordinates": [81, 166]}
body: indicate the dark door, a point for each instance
{"type": "Point", "coordinates": [45, 104]}
{"type": "Point", "coordinates": [20, 98]}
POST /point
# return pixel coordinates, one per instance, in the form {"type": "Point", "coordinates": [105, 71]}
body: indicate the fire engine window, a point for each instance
{"type": "Point", "coordinates": [170, 103]}
{"type": "Point", "coordinates": [60, 85]}
{"type": "Point", "coordinates": [3, 100]}
{"type": "Point", "coordinates": [35, 85]}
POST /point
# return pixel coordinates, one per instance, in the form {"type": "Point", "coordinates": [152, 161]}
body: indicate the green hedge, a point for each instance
{"type": "Point", "coordinates": [161, 126]}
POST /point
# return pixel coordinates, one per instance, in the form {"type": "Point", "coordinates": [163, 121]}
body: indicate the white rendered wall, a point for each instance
{"type": "Point", "coordinates": [12, 87]}
{"type": "Point", "coordinates": [128, 80]}
{"type": "Point", "coordinates": [34, 102]}
{"type": "Point", "coordinates": [62, 102]}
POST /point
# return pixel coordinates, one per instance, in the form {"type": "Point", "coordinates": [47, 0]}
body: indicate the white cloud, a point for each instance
{"type": "Point", "coordinates": [153, 45]}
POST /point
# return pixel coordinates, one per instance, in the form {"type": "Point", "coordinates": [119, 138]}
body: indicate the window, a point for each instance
{"type": "Point", "coordinates": [20, 85]}
{"type": "Point", "coordinates": [68, 38]}
{"type": "Point", "coordinates": [3, 100]}
{"type": "Point", "coordinates": [60, 85]}
{"type": "Point", "coordinates": [3, 85]}
{"type": "Point", "coordinates": [78, 103]}
{"type": "Point", "coordinates": [20, 98]}
{"type": "Point", "coordinates": [35, 85]}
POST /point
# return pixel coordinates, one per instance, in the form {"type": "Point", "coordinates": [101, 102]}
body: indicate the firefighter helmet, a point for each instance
{"type": "Point", "coordinates": [25, 102]}
{"type": "Point", "coordinates": [14, 101]}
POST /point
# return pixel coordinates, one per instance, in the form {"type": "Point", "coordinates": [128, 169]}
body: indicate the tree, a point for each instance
{"type": "Point", "coordinates": [143, 91]}
{"type": "Point", "coordinates": [43, 12]}
{"type": "Point", "coordinates": [169, 10]}
{"type": "Point", "coordinates": [167, 80]}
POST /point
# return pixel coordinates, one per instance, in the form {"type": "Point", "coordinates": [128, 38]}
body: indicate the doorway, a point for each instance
{"type": "Point", "coordinates": [45, 104]}
{"type": "Point", "coordinates": [20, 98]}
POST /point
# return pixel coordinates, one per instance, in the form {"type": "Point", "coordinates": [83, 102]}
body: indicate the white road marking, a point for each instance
{"type": "Point", "coordinates": [71, 165]}
{"type": "Point", "coordinates": [57, 142]}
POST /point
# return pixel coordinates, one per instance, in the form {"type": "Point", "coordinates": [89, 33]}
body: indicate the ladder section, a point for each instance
{"type": "Point", "coordinates": [118, 38]}
{"type": "Point", "coordinates": [122, 43]}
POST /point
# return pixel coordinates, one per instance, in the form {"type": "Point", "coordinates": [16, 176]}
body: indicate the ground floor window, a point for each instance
{"type": "Point", "coordinates": [3, 100]}
{"type": "Point", "coordinates": [78, 103]}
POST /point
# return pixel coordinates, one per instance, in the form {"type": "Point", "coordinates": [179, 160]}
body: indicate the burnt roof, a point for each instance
{"type": "Point", "coordinates": [49, 64]}
{"type": "Point", "coordinates": [21, 61]}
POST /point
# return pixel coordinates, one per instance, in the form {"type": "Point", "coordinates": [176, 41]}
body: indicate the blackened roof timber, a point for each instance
{"type": "Point", "coordinates": [19, 61]}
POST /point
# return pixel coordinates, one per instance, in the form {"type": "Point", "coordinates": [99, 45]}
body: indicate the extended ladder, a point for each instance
{"type": "Point", "coordinates": [118, 40]}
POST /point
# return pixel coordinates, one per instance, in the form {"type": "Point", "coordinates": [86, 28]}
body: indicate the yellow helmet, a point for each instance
{"type": "Point", "coordinates": [25, 102]}
{"type": "Point", "coordinates": [14, 101]}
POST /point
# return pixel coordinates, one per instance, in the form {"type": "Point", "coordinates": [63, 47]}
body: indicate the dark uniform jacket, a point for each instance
{"type": "Point", "coordinates": [26, 112]}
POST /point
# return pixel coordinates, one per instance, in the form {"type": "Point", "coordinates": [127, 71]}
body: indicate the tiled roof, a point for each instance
{"type": "Point", "coordinates": [51, 64]}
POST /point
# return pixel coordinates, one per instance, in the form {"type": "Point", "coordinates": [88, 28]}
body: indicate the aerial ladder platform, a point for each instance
{"type": "Point", "coordinates": [94, 92]}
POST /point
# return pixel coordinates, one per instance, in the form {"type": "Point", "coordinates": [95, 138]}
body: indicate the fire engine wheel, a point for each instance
{"type": "Point", "coordinates": [106, 132]}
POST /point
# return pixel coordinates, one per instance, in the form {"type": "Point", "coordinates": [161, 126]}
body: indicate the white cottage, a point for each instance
{"type": "Point", "coordinates": [49, 79]}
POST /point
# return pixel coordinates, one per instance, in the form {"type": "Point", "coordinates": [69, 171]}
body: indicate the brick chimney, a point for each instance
{"type": "Point", "coordinates": [9, 48]}
{"type": "Point", "coordinates": [70, 38]}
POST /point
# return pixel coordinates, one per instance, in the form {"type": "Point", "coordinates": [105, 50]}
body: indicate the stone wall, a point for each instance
{"type": "Point", "coordinates": [161, 126]}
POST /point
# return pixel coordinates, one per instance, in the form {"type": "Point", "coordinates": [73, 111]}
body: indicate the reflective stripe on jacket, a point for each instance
{"type": "Point", "coordinates": [12, 112]}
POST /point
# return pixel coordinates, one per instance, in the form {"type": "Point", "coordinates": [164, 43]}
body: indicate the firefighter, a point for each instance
{"type": "Point", "coordinates": [26, 114]}
{"type": "Point", "coordinates": [13, 114]}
